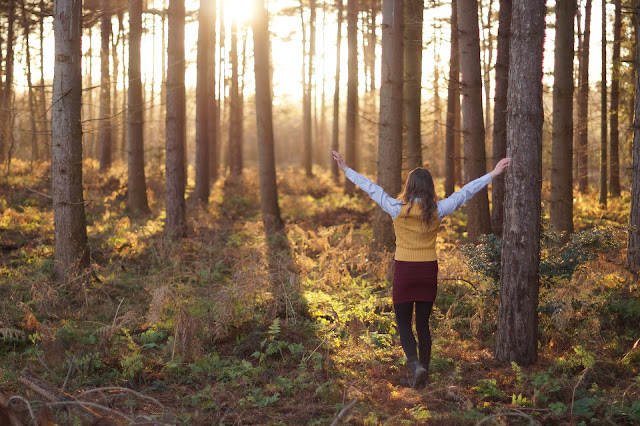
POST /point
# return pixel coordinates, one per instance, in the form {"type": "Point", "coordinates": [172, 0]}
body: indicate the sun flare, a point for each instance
{"type": "Point", "coordinates": [239, 10]}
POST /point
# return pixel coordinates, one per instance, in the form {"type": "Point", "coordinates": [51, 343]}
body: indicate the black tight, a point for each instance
{"type": "Point", "coordinates": [404, 314]}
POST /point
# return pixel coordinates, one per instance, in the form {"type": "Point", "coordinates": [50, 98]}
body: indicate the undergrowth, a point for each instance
{"type": "Point", "coordinates": [228, 326]}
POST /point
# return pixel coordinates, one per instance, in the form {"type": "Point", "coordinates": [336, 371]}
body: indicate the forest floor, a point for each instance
{"type": "Point", "coordinates": [227, 326]}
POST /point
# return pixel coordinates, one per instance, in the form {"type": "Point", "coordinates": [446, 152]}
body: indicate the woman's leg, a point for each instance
{"type": "Point", "coordinates": [423, 311]}
{"type": "Point", "coordinates": [404, 316]}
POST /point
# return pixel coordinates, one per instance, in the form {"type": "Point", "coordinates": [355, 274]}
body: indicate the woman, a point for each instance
{"type": "Point", "coordinates": [416, 218]}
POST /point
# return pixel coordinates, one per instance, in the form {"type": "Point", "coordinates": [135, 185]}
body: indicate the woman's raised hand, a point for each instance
{"type": "Point", "coordinates": [500, 167]}
{"type": "Point", "coordinates": [340, 161]}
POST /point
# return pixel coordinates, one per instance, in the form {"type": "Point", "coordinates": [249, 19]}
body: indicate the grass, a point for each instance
{"type": "Point", "coordinates": [226, 326]}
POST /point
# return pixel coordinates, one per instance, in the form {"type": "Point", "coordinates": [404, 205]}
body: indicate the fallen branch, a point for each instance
{"type": "Point", "coordinates": [7, 415]}
{"type": "Point", "coordinates": [344, 412]}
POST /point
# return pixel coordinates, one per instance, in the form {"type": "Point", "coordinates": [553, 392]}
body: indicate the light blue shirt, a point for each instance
{"type": "Point", "coordinates": [392, 206]}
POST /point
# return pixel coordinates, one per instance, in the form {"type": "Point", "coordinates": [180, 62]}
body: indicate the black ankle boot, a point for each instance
{"type": "Point", "coordinates": [419, 374]}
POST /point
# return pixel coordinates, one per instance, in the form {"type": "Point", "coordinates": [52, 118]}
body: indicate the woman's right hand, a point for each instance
{"type": "Point", "coordinates": [340, 161]}
{"type": "Point", "coordinates": [500, 167]}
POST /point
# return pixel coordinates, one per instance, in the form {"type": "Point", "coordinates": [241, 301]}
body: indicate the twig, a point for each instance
{"type": "Point", "coordinates": [64, 385]}
{"type": "Point", "coordinates": [344, 411]}
{"type": "Point", "coordinates": [93, 405]}
{"type": "Point", "coordinates": [39, 193]}
{"type": "Point", "coordinates": [458, 279]}
{"type": "Point", "coordinates": [573, 394]}
{"type": "Point", "coordinates": [27, 403]}
{"type": "Point", "coordinates": [122, 390]}
{"type": "Point", "coordinates": [116, 315]}
{"type": "Point", "coordinates": [510, 414]}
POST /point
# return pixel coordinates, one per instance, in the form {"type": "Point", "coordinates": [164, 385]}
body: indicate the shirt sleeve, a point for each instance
{"type": "Point", "coordinates": [464, 194]}
{"type": "Point", "coordinates": [388, 204]}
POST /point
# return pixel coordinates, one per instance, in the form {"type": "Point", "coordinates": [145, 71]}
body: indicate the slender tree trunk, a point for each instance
{"type": "Point", "coordinates": [352, 88]}
{"type": "Point", "coordinates": [583, 104]}
{"type": "Point", "coordinates": [105, 88]}
{"type": "Point", "coordinates": [175, 122]}
{"type": "Point", "coordinates": [35, 152]}
{"type": "Point", "coordinates": [214, 157]}
{"type": "Point", "coordinates": [372, 45]}
{"type": "Point", "coordinates": [614, 170]}
{"type": "Point", "coordinates": [44, 122]}
{"type": "Point", "coordinates": [335, 135]}
{"type": "Point", "coordinates": [71, 250]}
{"type": "Point", "coordinates": [633, 249]}
{"type": "Point", "coordinates": [122, 148]}
{"type": "Point", "coordinates": [268, 188]}
{"type": "Point", "coordinates": [516, 339]}
{"type": "Point", "coordinates": [500, 113]}
{"type": "Point", "coordinates": [603, 116]}
{"type": "Point", "coordinates": [390, 127]}
{"type": "Point", "coordinates": [235, 140]}
{"type": "Point", "coordinates": [478, 217]}
{"type": "Point", "coordinates": [6, 111]}
{"type": "Point", "coordinates": [413, 80]}
{"type": "Point", "coordinates": [202, 189]}
{"type": "Point", "coordinates": [222, 54]}
{"type": "Point", "coordinates": [137, 188]}
{"type": "Point", "coordinates": [561, 203]}
{"type": "Point", "coordinates": [488, 59]}
{"type": "Point", "coordinates": [453, 100]}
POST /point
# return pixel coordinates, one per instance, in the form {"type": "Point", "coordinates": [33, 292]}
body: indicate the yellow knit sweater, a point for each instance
{"type": "Point", "coordinates": [415, 242]}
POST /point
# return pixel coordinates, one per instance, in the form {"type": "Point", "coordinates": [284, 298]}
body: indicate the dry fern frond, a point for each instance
{"type": "Point", "coordinates": [159, 298]}
{"type": "Point", "coordinates": [12, 334]}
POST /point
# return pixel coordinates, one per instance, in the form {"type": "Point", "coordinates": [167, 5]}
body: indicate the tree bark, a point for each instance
{"type": "Point", "coordinates": [105, 135]}
{"type": "Point", "coordinates": [335, 135]}
{"type": "Point", "coordinates": [413, 14]}
{"type": "Point", "coordinates": [561, 202]}
{"type": "Point", "coordinates": [603, 107]}
{"type": "Point", "coordinates": [390, 122]}
{"type": "Point", "coordinates": [500, 113]}
{"type": "Point", "coordinates": [175, 122]}
{"type": "Point", "coordinates": [137, 189]}
{"type": "Point", "coordinates": [352, 89]}
{"type": "Point", "coordinates": [7, 89]}
{"type": "Point", "coordinates": [583, 104]}
{"type": "Point", "coordinates": [214, 148]}
{"type": "Point", "coordinates": [264, 120]}
{"type": "Point", "coordinates": [453, 104]}
{"type": "Point", "coordinates": [71, 249]}
{"type": "Point", "coordinates": [614, 162]}
{"type": "Point", "coordinates": [633, 249]}
{"type": "Point", "coordinates": [478, 217]}
{"type": "Point", "coordinates": [235, 139]}
{"type": "Point", "coordinates": [44, 121]}
{"type": "Point", "coordinates": [516, 339]}
{"type": "Point", "coordinates": [35, 152]}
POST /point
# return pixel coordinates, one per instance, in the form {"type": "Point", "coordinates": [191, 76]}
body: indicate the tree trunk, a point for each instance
{"type": "Point", "coordinates": [413, 80]}
{"type": "Point", "coordinates": [352, 89]}
{"type": "Point", "coordinates": [137, 188]}
{"type": "Point", "coordinates": [264, 119]}
{"type": "Point", "coordinates": [488, 59]}
{"type": "Point", "coordinates": [390, 127]}
{"type": "Point", "coordinates": [335, 135]}
{"type": "Point", "coordinates": [603, 107]}
{"type": "Point", "coordinates": [235, 140]}
{"type": "Point", "coordinates": [633, 249]}
{"type": "Point", "coordinates": [614, 170]}
{"type": "Point", "coordinates": [453, 101]}
{"type": "Point", "coordinates": [6, 110]}
{"type": "Point", "coordinates": [583, 104]}
{"type": "Point", "coordinates": [71, 250]}
{"type": "Point", "coordinates": [561, 202]}
{"type": "Point", "coordinates": [122, 148]}
{"type": "Point", "coordinates": [516, 339]}
{"type": "Point", "coordinates": [214, 149]}
{"type": "Point", "coordinates": [44, 122]}
{"type": "Point", "coordinates": [372, 45]}
{"type": "Point", "coordinates": [307, 86]}
{"type": "Point", "coordinates": [500, 113]}
{"type": "Point", "coordinates": [35, 152]}
{"type": "Point", "coordinates": [105, 87]}
{"type": "Point", "coordinates": [175, 122]}
{"type": "Point", "coordinates": [202, 188]}
{"type": "Point", "coordinates": [478, 217]}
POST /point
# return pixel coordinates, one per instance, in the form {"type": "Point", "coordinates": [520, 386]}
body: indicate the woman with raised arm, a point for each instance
{"type": "Point", "coordinates": [416, 218]}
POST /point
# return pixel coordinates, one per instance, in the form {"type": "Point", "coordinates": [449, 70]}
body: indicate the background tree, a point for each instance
{"type": "Point", "coordinates": [264, 116]}
{"type": "Point", "coordinates": [500, 113]}
{"type": "Point", "coordinates": [614, 112]}
{"type": "Point", "coordinates": [212, 105]}
{"type": "Point", "coordinates": [335, 134]}
{"type": "Point", "coordinates": [516, 338]}
{"type": "Point", "coordinates": [413, 80]}
{"type": "Point", "coordinates": [235, 118]}
{"type": "Point", "coordinates": [561, 202]}
{"type": "Point", "coordinates": [583, 103]}
{"type": "Point", "coordinates": [453, 106]}
{"type": "Point", "coordinates": [352, 88]}
{"type": "Point", "coordinates": [175, 122]}
{"type": "Point", "coordinates": [71, 249]}
{"type": "Point", "coordinates": [7, 93]}
{"type": "Point", "coordinates": [633, 249]}
{"type": "Point", "coordinates": [475, 158]}
{"type": "Point", "coordinates": [105, 135]}
{"type": "Point", "coordinates": [137, 187]}
{"type": "Point", "coordinates": [603, 107]}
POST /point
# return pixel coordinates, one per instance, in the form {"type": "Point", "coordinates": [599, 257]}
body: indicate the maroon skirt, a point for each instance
{"type": "Point", "coordinates": [415, 281]}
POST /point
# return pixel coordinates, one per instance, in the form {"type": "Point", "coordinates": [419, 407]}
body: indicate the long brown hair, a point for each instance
{"type": "Point", "coordinates": [420, 186]}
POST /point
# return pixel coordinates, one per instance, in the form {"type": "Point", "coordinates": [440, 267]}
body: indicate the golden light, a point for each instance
{"type": "Point", "coordinates": [239, 10]}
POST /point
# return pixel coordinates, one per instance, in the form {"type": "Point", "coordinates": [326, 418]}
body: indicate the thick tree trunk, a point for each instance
{"type": "Point", "coordinates": [335, 134]}
{"type": "Point", "coordinates": [352, 89]}
{"type": "Point", "coordinates": [201, 191]}
{"type": "Point", "coordinates": [105, 136]}
{"type": "Point", "coordinates": [561, 202]}
{"type": "Point", "coordinates": [71, 250]}
{"type": "Point", "coordinates": [478, 217]}
{"type": "Point", "coordinates": [390, 127]}
{"type": "Point", "coordinates": [500, 113]}
{"type": "Point", "coordinates": [122, 148]}
{"type": "Point", "coordinates": [137, 189]}
{"type": "Point", "coordinates": [175, 122]}
{"type": "Point", "coordinates": [7, 93]}
{"type": "Point", "coordinates": [453, 102]}
{"type": "Point", "coordinates": [583, 104]}
{"type": "Point", "coordinates": [614, 162]}
{"type": "Point", "coordinates": [603, 107]}
{"type": "Point", "coordinates": [264, 119]}
{"type": "Point", "coordinates": [413, 14]}
{"type": "Point", "coordinates": [235, 139]}
{"type": "Point", "coordinates": [516, 339]}
{"type": "Point", "coordinates": [214, 149]}
{"type": "Point", "coordinates": [633, 249]}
